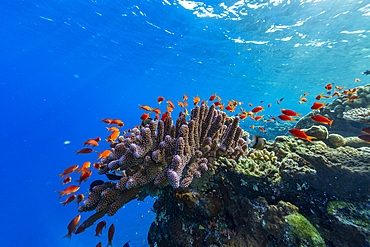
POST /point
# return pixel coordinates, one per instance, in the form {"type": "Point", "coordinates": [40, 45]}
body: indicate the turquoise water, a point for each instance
{"type": "Point", "coordinates": [67, 64]}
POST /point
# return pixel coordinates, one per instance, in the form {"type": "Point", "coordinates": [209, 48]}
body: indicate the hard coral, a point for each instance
{"type": "Point", "coordinates": [361, 115]}
{"type": "Point", "coordinates": [162, 153]}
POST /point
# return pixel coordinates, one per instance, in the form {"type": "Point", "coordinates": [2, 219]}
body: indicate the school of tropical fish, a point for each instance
{"type": "Point", "coordinates": [234, 107]}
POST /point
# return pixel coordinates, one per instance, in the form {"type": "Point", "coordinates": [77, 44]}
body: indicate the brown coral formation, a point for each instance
{"type": "Point", "coordinates": [163, 153]}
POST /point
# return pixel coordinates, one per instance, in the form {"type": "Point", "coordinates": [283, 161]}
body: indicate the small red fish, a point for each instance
{"type": "Point", "coordinates": [277, 101]}
{"type": "Point", "coordinates": [68, 190]}
{"type": "Point", "coordinates": [300, 134]}
{"type": "Point", "coordinates": [185, 97]}
{"type": "Point", "coordinates": [80, 198]}
{"type": "Point", "coordinates": [68, 200]}
{"type": "Point", "coordinates": [273, 118]}
{"type": "Point", "coordinates": [156, 117]}
{"type": "Point", "coordinates": [164, 116]}
{"type": "Point", "coordinates": [107, 120]}
{"type": "Point", "coordinates": [104, 154]}
{"type": "Point", "coordinates": [72, 226]}
{"type": "Point", "coordinates": [180, 103]}
{"type": "Point", "coordinates": [112, 129]}
{"type": "Point", "coordinates": [269, 105]}
{"type": "Point", "coordinates": [84, 176]}
{"type": "Point", "coordinates": [213, 97]}
{"type": "Point", "coordinates": [318, 97]}
{"type": "Point", "coordinates": [85, 151]}
{"type": "Point", "coordinates": [305, 94]}
{"type": "Point", "coordinates": [230, 109]}
{"type": "Point", "coordinates": [91, 142]}
{"type": "Point", "coordinates": [328, 87]}
{"type": "Point", "coordinates": [252, 127]}
{"type": "Point", "coordinates": [303, 99]}
{"type": "Point", "coordinates": [170, 103]}
{"type": "Point", "coordinates": [84, 167]}
{"type": "Point", "coordinates": [357, 80]}
{"type": "Point", "coordinates": [144, 116]}
{"type": "Point", "coordinates": [145, 107]}
{"type": "Point", "coordinates": [160, 99]}
{"type": "Point", "coordinates": [262, 129]}
{"type": "Point", "coordinates": [156, 111]}
{"type": "Point", "coordinates": [66, 180]}
{"type": "Point", "coordinates": [365, 138]}
{"type": "Point", "coordinates": [68, 171]}
{"type": "Point", "coordinates": [196, 100]}
{"type": "Point", "coordinates": [257, 109]}
{"type": "Point", "coordinates": [110, 235]}
{"type": "Point", "coordinates": [118, 122]}
{"type": "Point", "coordinates": [327, 96]}
{"type": "Point", "coordinates": [99, 228]}
{"type": "Point", "coordinates": [317, 105]}
{"type": "Point", "coordinates": [97, 166]}
{"type": "Point", "coordinates": [286, 118]}
{"type": "Point", "coordinates": [113, 136]}
{"type": "Point", "coordinates": [185, 104]}
{"type": "Point", "coordinates": [98, 245]}
{"type": "Point", "coordinates": [336, 93]}
{"type": "Point", "coordinates": [169, 109]}
{"type": "Point", "coordinates": [290, 113]}
{"type": "Point", "coordinates": [250, 104]}
{"type": "Point", "coordinates": [321, 119]}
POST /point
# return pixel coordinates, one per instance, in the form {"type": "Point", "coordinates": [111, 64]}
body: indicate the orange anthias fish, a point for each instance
{"type": "Point", "coordinates": [118, 122]}
{"type": "Point", "coordinates": [84, 167]}
{"type": "Point", "coordinates": [156, 111]}
{"type": "Point", "coordinates": [169, 109]}
{"type": "Point", "coordinates": [286, 118]}
{"type": "Point", "coordinates": [80, 198]}
{"type": "Point", "coordinates": [84, 176]}
{"type": "Point", "coordinates": [328, 87]}
{"type": "Point", "coordinates": [196, 100]}
{"type": "Point", "coordinates": [69, 170]}
{"type": "Point", "coordinates": [107, 120]}
{"type": "Point", "coordinates": [110, 235]}
{"type": "Point", "coordinates": [269, 105]}
{"type": "Point", "coordinates": [321, 119]}
{"type": "Point", "coordinates": [145, 107]}
{"type": "Point", "coordinates": [213, 97]}
{"type": "Point", "coordinates": [303, 99]}
{"type": "Point", "coordinates": [357, 80]}
{"type": "Point", "coordinates": [113, 136]}
{"type": "Point", "coordinates": [85, 151]}
{"type": "Point", "coordinates": [69, 199]}
{"type": "Point", "coordinates": [91, 142]}
{"type": "Point", "coordinates": [170, 103]}
{"type": "Point", "coordinates": [300, 134]}
{"type": "Point", "coordinates": [97, 166]}
{"type": "Point", "coordinates": [336, 93]}
{"type": "Point", "coordinates": [68, 190]}
{"type": "Point", "coordinates": [318, 97]}
{"type": "Point", "coordinates": [365, 138]}
{"type": "Point", "coordinates": [99, 244]}
{"type": "Point", "coordinates": [318, 105]}
{"type": "Point", "coordinates": [186, 112]}
{"type": "Point", "coordinates": [164, 116]}
{"type": "Point", "coordinates": [104, 154]}
{"type": "Point", "coordinates": [144, 116]}
{"type": "Point", "coordinates": [99, 228]}
{"type": "Point", "coordinates": [257, 109]}
{"type": "Point", "coordinates": [229, 108]}
{"type": "Point", "coordinates": [180, 103]}
{"type": "Point", "coordinates": [156, 117]}
{"type": "Point", "coordinates": [185, 104]}
{"type": "Point", "coordinates": [290, 113]}
{"type": "Point", "coordinates": [160, 99]}
{"type": "Point", "coordinates": [72, 226]}
{"type": "Point", "coordinates": [112, 129]}
{"type": "Point", "coordinates": [305, 94]}
{"type": "Point", "coordinates": [262, 129]}
{"type": "Point", "coordinates": [66, 180]}
{"type": "Point", "coordinates": [185, 97]}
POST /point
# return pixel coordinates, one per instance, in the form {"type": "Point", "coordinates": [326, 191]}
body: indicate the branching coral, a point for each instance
{"type": "Point", "coordinates": [361, 115]}
{"type": "Point", "coordinates": [163, 153]}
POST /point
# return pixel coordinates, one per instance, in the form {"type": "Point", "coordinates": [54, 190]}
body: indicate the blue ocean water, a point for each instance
{"type": "Point", "coordinates": [67, 64]}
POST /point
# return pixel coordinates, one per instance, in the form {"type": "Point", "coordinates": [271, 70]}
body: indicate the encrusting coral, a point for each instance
{"type": "Point", "coordinates": [361, 115]}
{"type": "Point", "coordinates": [162, 153]}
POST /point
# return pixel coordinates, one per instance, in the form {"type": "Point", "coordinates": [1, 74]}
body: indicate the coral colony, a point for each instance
{"type": "Point", "coordinates": [214, 184]}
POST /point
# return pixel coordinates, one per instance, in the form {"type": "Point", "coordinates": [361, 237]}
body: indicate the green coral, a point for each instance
{"type": "Point", "coordinates": [301, 232]}
{"type": "Point", "coordinates": [354, 213]}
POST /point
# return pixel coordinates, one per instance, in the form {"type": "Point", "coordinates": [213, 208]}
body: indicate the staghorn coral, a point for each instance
{"type": "Point", "coordinates": [163, 153]}
{"type": "Point", "coordinates": [361, 115]}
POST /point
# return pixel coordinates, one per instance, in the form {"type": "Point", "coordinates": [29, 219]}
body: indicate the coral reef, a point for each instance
{"type": "Point", "coordinates": [161, 154]}
{"type": "Point", "coordinates": [360, 115]}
